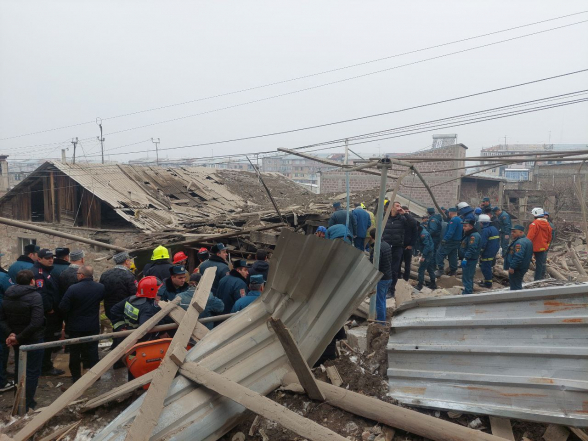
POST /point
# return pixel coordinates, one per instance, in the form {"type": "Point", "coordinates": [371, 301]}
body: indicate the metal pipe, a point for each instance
{"type": "Point", "coordinates": [430, 192]}
{"type": "Point", "coordinates": [21, 406]}
{"type": "Point", "coordinates": [347, 191]}
{"type": "Point", "coordinates": [27, 226]}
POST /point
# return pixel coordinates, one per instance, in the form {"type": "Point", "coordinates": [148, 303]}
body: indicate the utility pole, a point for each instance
{"type": "Point", "coordinates": [156, 141]}
{"type": "Point", "coordinates": [63, 158]}
{"type": "Point", "coordinates": [101, 138]}
{"type": "Point", "coordinates": [74, 141]}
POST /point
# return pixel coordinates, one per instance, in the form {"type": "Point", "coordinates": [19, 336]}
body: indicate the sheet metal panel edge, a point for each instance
{"type": "Point", "coordinates": [517, 354]}
{"type": "Point", "coordinates": [321, 282]}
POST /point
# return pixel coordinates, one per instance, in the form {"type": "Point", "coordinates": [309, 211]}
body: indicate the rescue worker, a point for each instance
{"type": "Point", "coordinates": [70, 275]}
{"type": "Point", "coordinates": [180, 258]}
{"type": "Point", "coordinates": [435, 227]}
{"type": "Point", "coordinates": [159, 265]}
{"type": "Point", "coordinates": [477, 213]}
{"type": "Point", "coordinates": [339, 231]}
{"type": "Point", "coordinates": [217, 258]}
{"type": "Point", "coordinates": [465, 211]}
{"type": "Point", "coordinates": [5, 281]}
{"type": "Point", "coordinates": [47, 287]}
{"type": "Point", "coordinates": [485, 202]}
{"type": "Point", "coordinates": [234, 286]}
{"type": "Point", "coordinates": [261, 264]}
{"type": "Point", "coordinates": [363, 222]}
{"type": "Point", "coordinates": [173, 285]}
{"type": "Point", "coordinates": [518, 257]}
{"type": "Point", "coordinates": [256, 285]}
{"type": "Point", "coordinates": [321, 232]}
{"type": "Point", "coordinates": [202, 256]}
{"type": "Point", "coordinates": [489, 246]}
{"type": "Point", "coordinates": [214, 305]}
{"type": "Point", "coordinates": [469, 252]}
{"type": "Point", "coordinates": [540, 235]}
{"type": "Point", "coordinates": [119, 282]}
{"type": "Point", "coordinates": [425, 221]}
{"type": "Point", "coordinates": [426, 246]}
{"type": "Point", "coordinates": [504, 227]}
{"type": "Point", "coordinates": [339, 217]}
{"type": "Point", "coordinates": [411, 235]}
{"type": "Point", "coordinates": [372, 220]}
{"type": "Point", "coordinates": [449, 244]}
{"type": "Point", "coordinates": [385, 267]}
{"type": "Point", "coordinates": [135, 310]}
{"type": "Point", "coordinates": [60, 263]}
{"type": "Point", "coordinates": [26, 261]}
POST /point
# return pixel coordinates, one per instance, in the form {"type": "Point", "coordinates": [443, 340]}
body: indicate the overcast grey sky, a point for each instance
{"type": "Point", "coordinates": [68, 62]}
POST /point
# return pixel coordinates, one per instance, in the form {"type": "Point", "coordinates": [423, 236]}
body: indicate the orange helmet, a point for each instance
{"type": "Point", "coordinates": [180, 257]}
{"type": "Point", "coordinates": [148, 287]}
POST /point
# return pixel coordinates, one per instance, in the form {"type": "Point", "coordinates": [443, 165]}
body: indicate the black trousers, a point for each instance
{"type": "Point", "coordinates": [53, 326]}
{"type": "Point", "coordinates": [407, 259]}
{"type": "Point", "coordinates": [397, 256]}
{"type": "Point", "coordinates": [86, 353]}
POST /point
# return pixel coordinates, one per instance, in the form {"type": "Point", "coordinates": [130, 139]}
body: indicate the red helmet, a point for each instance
{"type": "Point", "coordinates": [180, 257]}
{"type": "Point", "coordinates": [202, 251]}
{"type": "Point", "coordinates": [148, 287]}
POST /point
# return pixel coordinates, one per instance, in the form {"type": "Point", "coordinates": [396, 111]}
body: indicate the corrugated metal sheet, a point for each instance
{"type": "Point", "coordinates": [318, 282]}
{"type": "Point", "coordinates": [519, 354]}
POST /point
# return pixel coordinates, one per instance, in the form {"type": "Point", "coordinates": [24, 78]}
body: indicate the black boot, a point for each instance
{"type": "Point", "coordinates": [419, 286]}
{"type": "Point", "coordinates": [432, 286]}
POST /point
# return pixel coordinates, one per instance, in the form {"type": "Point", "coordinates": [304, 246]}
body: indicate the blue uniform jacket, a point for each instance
{"type": "Point", "coordinates": [467, 213]}
{"type": "Point", "coordinates": [339, 217]}
{"type": "Point", "coordinates": [519, 254]}
{"type": "Point", "coordinates": [231, 289]}
{"type": "Point", "coordinates": [454, 229]}
{"type": "Point", "coordinates": [490, 243]}
{"type": "Point", "coordinates": [222, 269]}
{"type": "Point", "coordinates": [214, 305]}
{"type": "Point", "coordinates": [5, 283]}
{"type": "Point", "coordinates": [363, 221]}
{"type": "Point", "coordinates": [435, 225]}
{"type": "Point", "coordinates": [244, 302]}
{"type": "Point", "coordinates": [425, 243]}
{"type": "Point", "coordinates": [338, 232]}
{"type": "Point", "coordinates": [504, 223]}
{"type": "Point", "coordinates": [22, 263]}
{"type": "Point", "coordinates": [470, 246]}
{"type": "Point", "coordinates": [168, 291]}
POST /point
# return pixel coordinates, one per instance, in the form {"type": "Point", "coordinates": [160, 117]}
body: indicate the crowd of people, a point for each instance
{"type": "Point", "coordinates": [47, 295]}
{"type": "Point", "coordinates": [465, 236]}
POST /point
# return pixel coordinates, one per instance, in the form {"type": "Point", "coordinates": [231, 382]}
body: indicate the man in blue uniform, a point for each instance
{"type": "Point", "coordinates": [489, 246]}
{"type": "Point", "coordinates": [218, 256]}
{"type": "Point", "coordinates": [363, 221]}
{"type": "Point", "coordinates": [339, 217]}
{"type": "Point", "coordinates": [485, 203]}
{"type": "Point", "coordinates": [234, 286]}
{"type": "Point", "coordinates": [504, 227]}
{"type": "Point", "coordinates": [339, 231]}
{"type": "Point", "coordinates": [321, 232]}
{"type": "Point", "coordinates": [469, 252]}
{"type": "Point", "coordinates": [435, 226]}
{"type": "Point", "coordinates": [26, 261]}
{"type": "Point", "coordinates": [175, 284]}
{"type": "Point", "coordinates": [450, 244]}
{"type": "Point", "coordinates": [518, 257]}
{"type": "Point", "coordinates": [256, 285]}
{"type": "Point", "coordinates": [465, 211]}
{"type": "Point", "coordinates": [427, 261]}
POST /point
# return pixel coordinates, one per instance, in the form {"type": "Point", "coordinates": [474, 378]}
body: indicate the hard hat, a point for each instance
{"type": "Point", "coordinates": [462, 205]}
{"type": "Point", "coordinates": [133, 268]}
{"type": "Point", "coordinates": [148, 287]}
{"type": "Point", "coordinates": [484, 218]}
{"type": "Point", "coordinates": [160, 253]}
{"type": "Point", "coordinates": [202, 251]}
{"type": "Point", "coordinates": [321, 229]}
{"type": "Point", "coordinates": [363, 205]}
{"type": "Point", "coordinates": [478, 210]}
{"type": "Point", "coordinates": [179, 257]}
{"type": "Point", "coordinates": [537, 212]}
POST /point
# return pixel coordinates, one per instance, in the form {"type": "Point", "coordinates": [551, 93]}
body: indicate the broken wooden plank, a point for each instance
{"type": "Point", "coordinates": [178, 314]}
{"type": "Point", "coordinates": [258, 403]}
{"type": "Point", "coordinates": [61, 433]}
{"type": "Point", "coordinates": [149, 412]}
{"type": "Point", "coordinates": [92, 375]}
{"type": "Point", "coordinates": [334, 376]}
{"type": "Point", "coordinates": [296, 359]}
{"type": "Point", "coordinates": [556, 433]}
{"type": "Point", "coordinates": [501, 427]}
{"type": "Point", "coordinates": [579, 433]}
{"type": "Point", "coordinates": [118, 392]}
{"type": "Point", "coordinates": [398, 417]}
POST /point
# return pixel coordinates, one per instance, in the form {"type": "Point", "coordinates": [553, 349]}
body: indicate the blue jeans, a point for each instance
{"type": "Point", "coordinates": [359, 243]}
{"type": "Point", "coordinates": [429, 266]}
{"type": "Point", "coordinates": [34, 363]}
{"type": "Point", "coordinates": [381, 290]}
{"type": "Point", "coordinates": [516, 280]}
{"type": "Point", "coordinates": [540, 262]}
{"type": "Point", "coordinates": [467, 277]}
{"type": "Point", "coordinates": [486, 267]}
{"type": "Point", "coordinates": [448, 250]}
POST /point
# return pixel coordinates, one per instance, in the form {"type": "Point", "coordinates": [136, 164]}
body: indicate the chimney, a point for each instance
{"type": "Point", "coordinates": [3, 174]}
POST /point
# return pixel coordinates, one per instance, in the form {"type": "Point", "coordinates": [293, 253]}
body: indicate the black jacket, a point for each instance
{"type": "Point", "coordinates": [260, 267]}
{"type": "Point", "coordinates": [22, 313]}
{"type": "Point", "coordinates": [132, 312]}
{"type": "Point", "coordinates": [67, 278]}
{"type": "Point", "coordinates": [393, 233]}
{"type": "Point", "coordinates": [158, 268]}
{"type": "Point", "coordinates": [47, 286]}
{"type": "Point", "coordinates": [230, 289]}
{"type": "Point", "coordinates": [385, 260]}
{"type": "Point", "coordinates": [80, 306]}
{"type": "Point", "coordinates": [411, 233]}
{"type": "Point", "coordinates": [119, 283]}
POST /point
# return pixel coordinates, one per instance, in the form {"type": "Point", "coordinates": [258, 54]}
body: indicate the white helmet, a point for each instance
{"type": "Point", "coordinates": [484, 218]}
{"type": "Point", "coordinates": [462, 205]}
{"type": "Point", "coordinates": [537, 212]}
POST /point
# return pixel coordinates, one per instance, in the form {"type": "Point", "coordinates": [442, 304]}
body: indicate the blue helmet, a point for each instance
{"type": "Point", "coordinates": [321, 229]}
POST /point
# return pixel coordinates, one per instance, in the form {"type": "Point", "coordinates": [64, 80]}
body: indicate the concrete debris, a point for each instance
{"type": "Point", "coordinates": [556, 433]}
{"type": "Point", "coordinates": [357, 338]}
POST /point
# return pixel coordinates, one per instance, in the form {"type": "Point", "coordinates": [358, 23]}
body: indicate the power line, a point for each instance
{"type": "Point", "coordinates": [325, 72]}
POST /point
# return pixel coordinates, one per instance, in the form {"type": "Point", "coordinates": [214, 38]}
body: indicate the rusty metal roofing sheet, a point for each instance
{"type": "Point", "coordinates": [519, 354]}
{"type": "Point", "coordinates": [313, 285]}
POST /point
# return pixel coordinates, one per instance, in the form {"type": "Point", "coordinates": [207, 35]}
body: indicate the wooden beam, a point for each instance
{"type": "Point", "coordinates": [92, 375]}
{"type": "Point", "coordinates": [146, 419]}
{"type": "Point", "coordinates": [59, 434]}
{"type": "Point", "coordinates": [177, 315]}
{"type": "Point", "coordinates": [118, 392]}
{"type": "Point", "coordinates": [334, 376]}
{"type": "Point", "coordinates": [258, 403]}
{"type": "Point", "coordinates": [502, 428]}
{"type": "Point", "coordinates": [296, 359]}
{"type": "Point", "coordinates": [395, 416]}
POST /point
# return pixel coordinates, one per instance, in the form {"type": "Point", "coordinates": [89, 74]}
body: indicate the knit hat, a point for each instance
{"type": "Point", "coordinates": [121, 257]}
{"type": "Point", "coordinates": [76, 255]}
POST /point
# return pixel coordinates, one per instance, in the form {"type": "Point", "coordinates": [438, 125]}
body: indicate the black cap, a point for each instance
{"type": "Point", "coordinates": [195, 277]}
{"type": "Point", "coordinates": [31, 248]}
{"type": "Point", "coordinates": [45, 253]}
{"type": "Point", "coordinates": [61, 252]}
{"type": "Point", "coordinates": [242, 263]}
{"type": "Point", "coordinates": [177, 270]}
{"type": "Point", "coordinates": [471, 222]}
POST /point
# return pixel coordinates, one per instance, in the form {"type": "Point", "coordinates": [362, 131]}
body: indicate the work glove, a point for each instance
{"type": "Point", "coordinates": [464, 263]}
